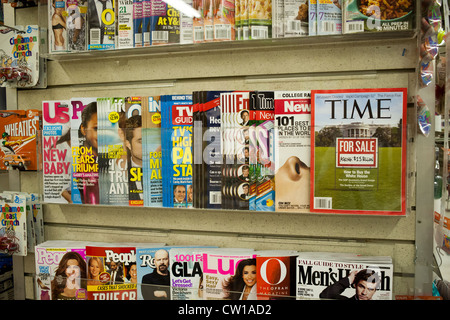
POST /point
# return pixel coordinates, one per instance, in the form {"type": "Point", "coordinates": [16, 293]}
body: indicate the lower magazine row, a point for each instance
{"type": "Point", "coordinates": [77, 270]}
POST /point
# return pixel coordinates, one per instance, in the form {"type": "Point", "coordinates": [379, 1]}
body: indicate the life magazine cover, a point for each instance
{"type": "Point", "coordinates": [358, 151]}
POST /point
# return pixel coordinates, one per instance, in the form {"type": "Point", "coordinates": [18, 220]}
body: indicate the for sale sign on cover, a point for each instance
{"type": "Point", "coordinates": [358, 160]}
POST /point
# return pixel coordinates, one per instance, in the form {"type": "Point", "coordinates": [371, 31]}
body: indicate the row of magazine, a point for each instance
{"type": "Point", "coordinates": [324, 151]}
{"type": "Point", "coordinates": [21, 222]}
{"type": "Point", "coordinates": [77, 270]}
{"type": "Point", "coordinates": [79, 25]}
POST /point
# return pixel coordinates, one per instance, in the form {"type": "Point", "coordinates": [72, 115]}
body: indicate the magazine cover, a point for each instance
{"type": "Point", "coordinates": [177, 150]}
{"type": "Point", "coordinates": [278, 19]}
{"type": "Point", "coordinates": [153, 273]}
{"type": "Point", "coordinates": [186, 274]}
{"type": "Point", "coordinates": [292, 150]}
{"type": "Point", "coordinates": [358, 151]}
{"type": "Point", "coordinates": [197, 150]}
{"type": "Point", "coordinates": [152, 151]}
{"type": "Point", "coordinates": [187, 15]}
{"type": "Point", "coordinates": [83, 123]}
{"type": "Point", "coordinates": [365, 16]}
{"type": "Point", "coordinates": [208, 22]}
{"type": "Point", "coordinates": [329, 17]}
{"type": "Point", "coordinates": [224, 275]}
{"type": "Point", "coordinates": [253, 151]}
{"type": "Point", "coordinates": [244, 4]}
{"type": "Point", "coordinates": [125, 23]}
{"type": "Point", "coordinates": [296, 18]}
{"type": "Point", "coordinates": [111, 273]}
{"type": "Point", "coordinates": [113, 156]}
{"type": "Point", "coordinates": [224, 20]}
{"type": "Point", "coordinates": [265, 161]}
{"type": "Point", "coordinates": [312, 20]}
{"type": "Point", "coordinates": [138, 21]}
{"type": "Point", "coordinates": [38, 217]}
{"type": "Point", "coordinates": [18, 146]}
{"type": "Point", "coordinates": [76, 25]}
{"type": "Point", "coordinates": [57, 26]}
{"type": "Point", "coordinates": [146, 25]}
{"type": "Point", "coordinates": [102, 24]}
{"type": "Point", "coordinates": [165, 23]}
{"type": "Point", "coordinates": [197, 23]}
{"type": "Point", "coordinates": [276, 275]}
{"type": "Point", "coordinates": [343, 280]}
{"type": "Point", "coordinates": [60, 271]}
{"type": "Point", "coordinates": [13, 223]}
{"type": "Point", "coordinates": [56, 151]}
{"type": "Point", "coordinates": [260, 19]}
{"type": "Point", "coordinates": [133, 146]}
{"type": "Point", "coordinates": [237, 20]}
{"type": "Point", "coordinates": [211, 151]}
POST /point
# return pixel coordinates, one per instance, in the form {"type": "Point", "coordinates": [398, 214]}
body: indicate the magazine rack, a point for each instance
{"type": "Point", "coordinates": [338, 62]}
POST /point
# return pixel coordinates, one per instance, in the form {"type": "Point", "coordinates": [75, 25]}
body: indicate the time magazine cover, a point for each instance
{"type": "Point", "coordinates": [18, 147]}
{"type": "Point", "coordinates": [292, 150]}
{"type": "Point", "coordinates": [56, 151]}
{"type": "Point", "coordinates": [83, 123]}
{"type": "Point", "coordinates": [152, 151]}
{"type": "Point", "coordinates": [111, 273]}
{"type": "Point", "coordinates": [358, 151]}
{"type": "Point", "coordinates": [351, 278]}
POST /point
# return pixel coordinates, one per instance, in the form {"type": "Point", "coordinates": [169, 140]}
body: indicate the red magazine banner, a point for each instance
{"type": "Point", "coordinates": [358, 151]}
{"type": "Point", "coordinates": [275, 277]}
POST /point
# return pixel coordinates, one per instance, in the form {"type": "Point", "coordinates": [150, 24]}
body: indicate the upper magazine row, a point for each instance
{"type": "Point", "coordinates": [80, 25]}
{"type": "Point", "coordinates": [246, 150]}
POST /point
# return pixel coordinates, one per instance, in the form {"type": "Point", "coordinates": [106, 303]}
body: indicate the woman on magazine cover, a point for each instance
{"type": "Point", "coordinates": [95, 267]}
{"type": "Point", "coordinates": [87, 135]}
{"type": "Point", "coordinates": [242, 286]}
{"type": "Point", "coordinates": [58, 26]}
{"type": "Point", "coordinates": [69, 277]}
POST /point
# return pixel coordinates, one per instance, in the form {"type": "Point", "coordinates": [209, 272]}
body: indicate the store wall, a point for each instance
{"type": "Point", "coordinates": [286, 66]}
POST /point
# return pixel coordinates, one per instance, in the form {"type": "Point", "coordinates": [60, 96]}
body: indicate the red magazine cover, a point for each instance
{"type": "Point", "coordinates": [19, 129]}
{"type": "Point", "coordinates": [109, 271]}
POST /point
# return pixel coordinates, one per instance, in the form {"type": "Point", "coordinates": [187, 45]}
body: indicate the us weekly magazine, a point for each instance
{"type": "Point", "coordinates": [358, 151]}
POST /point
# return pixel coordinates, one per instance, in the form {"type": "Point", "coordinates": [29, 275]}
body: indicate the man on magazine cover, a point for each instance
{"type": "Point", "coordinates": [364, 281]}
{"type": "Point", "coordinates": [179, 193]}
{"type": "Point", "coordinates": [156, 285]}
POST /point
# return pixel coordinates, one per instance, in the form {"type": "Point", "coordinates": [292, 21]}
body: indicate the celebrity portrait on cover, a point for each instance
{"type": "Point", "coordinates": [242, 286]}
{"type": "Point", "coordinates": [364, 281]}
{"type": "Point", "coordinates": [68, 278]}
{"type": "Point", "coordinates": [156, 285]}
